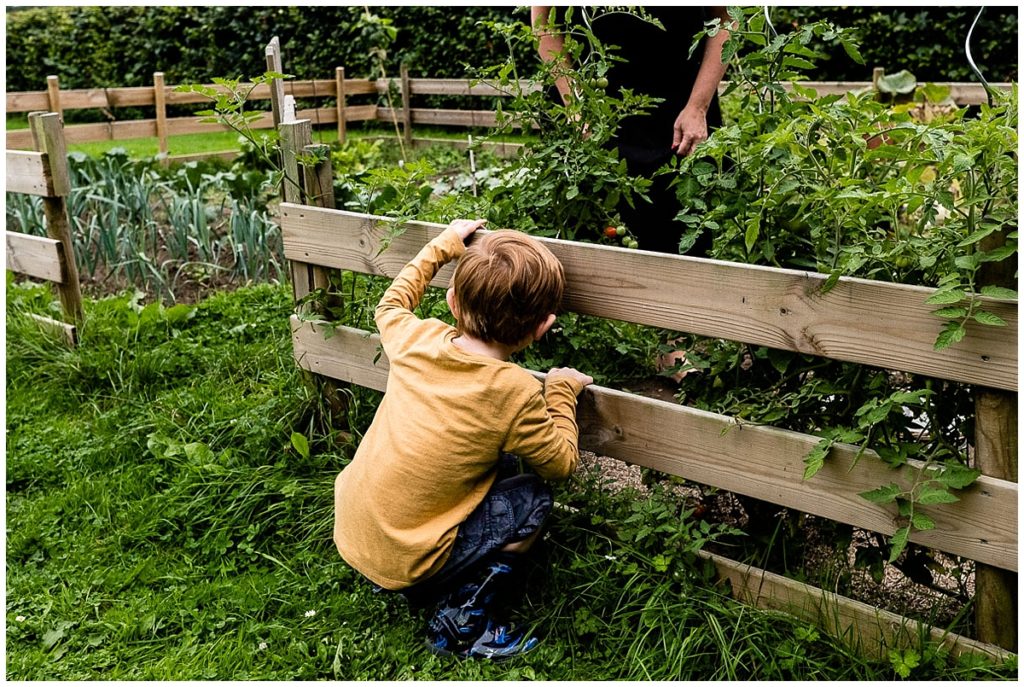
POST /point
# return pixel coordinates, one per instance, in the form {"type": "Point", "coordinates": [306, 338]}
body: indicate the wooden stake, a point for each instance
{"type": "Point", "coordinates": [47, 131]}
{"type": "Point", "coordinates": [274, 64]}
{"type": "Point", "coordinates": [406, 107]}
{"type": "Point", "coordinates": [294, 137]}
{"type": "Point", "coordinates": [160, 99]}
{"type": "Point", "coordinates": [339, 80]}
{"type": "Point", "coordinates": [53, 93]}
{"type": "Point", "coordinates": [995, 454]}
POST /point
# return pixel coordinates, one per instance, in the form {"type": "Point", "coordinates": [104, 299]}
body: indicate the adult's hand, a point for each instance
{"type": "Point", "coordinates": [690, 130]}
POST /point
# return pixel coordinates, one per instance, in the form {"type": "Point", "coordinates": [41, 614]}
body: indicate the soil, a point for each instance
{"type": "Point", "coordinates": [938, 602]}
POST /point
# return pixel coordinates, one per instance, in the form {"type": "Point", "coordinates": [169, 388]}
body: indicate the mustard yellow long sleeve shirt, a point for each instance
{"type": "Point", "coordinates": [431, 452]}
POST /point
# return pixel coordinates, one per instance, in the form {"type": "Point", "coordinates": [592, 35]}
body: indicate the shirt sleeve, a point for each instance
{"type": "Point", "coordinates": [394, 311]}
{"type": "Point", "coordinates": [545, 433]}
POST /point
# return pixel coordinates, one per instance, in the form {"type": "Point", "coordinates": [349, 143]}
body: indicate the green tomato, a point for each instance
{"type": "Point", "coordinates": [599, 82]}
{"type": "Point", "coordinates": [620, 231]}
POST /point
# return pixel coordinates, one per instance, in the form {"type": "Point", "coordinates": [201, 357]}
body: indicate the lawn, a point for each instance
{"type": "Point", "coordinates": [163, 523]}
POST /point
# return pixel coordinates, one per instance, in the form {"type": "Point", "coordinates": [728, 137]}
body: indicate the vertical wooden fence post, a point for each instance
{"type": "Point", "coordinates": [47, 131]}
{"type": "Point", "coordinates": [318, 180]}
{"type": "Point", "coordinates": [160, 102]}
{"type": "Point", "coordinates": [294, 137]}
{"type": "Point", "coordinates": [339, 80]}
{"type": "Point", "coordinates": [876, 74]}
{"type": "Point", "coordinates": [406, 107]}
{"type": "Point", "coordinates": [995, 454]}
{"type": "Point", "coordinates": [53, 93]}
{"type": "Point", "coordinates": [274, 64]}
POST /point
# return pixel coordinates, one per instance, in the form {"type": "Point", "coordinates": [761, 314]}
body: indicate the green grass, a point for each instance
{"type": "Point", "coordinates": [161, 526]}
{"type": "Point", "coordinates": [224, 141]}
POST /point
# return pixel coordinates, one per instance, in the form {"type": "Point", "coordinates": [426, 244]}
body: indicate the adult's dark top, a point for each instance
{"type": "Point", "coordinates": [657, 63]}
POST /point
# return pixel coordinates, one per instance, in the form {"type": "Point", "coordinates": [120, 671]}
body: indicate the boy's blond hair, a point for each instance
{"type": "Point", "coordinates": [506, 284]}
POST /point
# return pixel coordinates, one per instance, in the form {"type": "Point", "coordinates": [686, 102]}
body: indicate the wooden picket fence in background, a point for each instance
{"type": "Point", "coordinates": [160, 96]}
{"type": "Point", "coordinates": [44, 172]}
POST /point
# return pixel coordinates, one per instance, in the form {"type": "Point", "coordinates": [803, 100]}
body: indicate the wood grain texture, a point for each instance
{"type": "Point", "coordinates": [758, 461]}
{"type": "Point", "coordinates": [35, 256]}
{"type": "Point", "coordinates": [868, 630]}
{"type": "Point", "coordinates": [873, 323]}
{"type": "Point", "coordinates": [67, 332]}
{"type": "Point", "coordinates": [963, 93]}
{"type": "Point", "coordinates": [28, 172]}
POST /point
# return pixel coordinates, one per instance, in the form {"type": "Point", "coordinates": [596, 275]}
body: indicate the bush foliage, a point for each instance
{"type": "Point", "coordinates": [92, 46]}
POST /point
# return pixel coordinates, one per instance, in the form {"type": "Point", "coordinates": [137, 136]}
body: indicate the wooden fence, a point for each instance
{"type": "Point", "coordinates": [874, 323]}
{"type": "Point", "coordinates": [161, 95]}
{"type": "Point", "coordinates": [729, 301]}
{"type": "Point", "coordinates": [44, 172]}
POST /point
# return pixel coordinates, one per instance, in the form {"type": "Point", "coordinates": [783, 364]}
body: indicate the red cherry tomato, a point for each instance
{"type": "Point", "coordinates": [611, 232]}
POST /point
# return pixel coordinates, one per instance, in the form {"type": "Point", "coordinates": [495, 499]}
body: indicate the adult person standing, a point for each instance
{"type": "Point", "coordinates": [656, 62]}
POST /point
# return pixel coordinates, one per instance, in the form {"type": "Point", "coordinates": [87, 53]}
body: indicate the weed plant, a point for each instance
{"type": "Point", "coordinates": [163, 523]}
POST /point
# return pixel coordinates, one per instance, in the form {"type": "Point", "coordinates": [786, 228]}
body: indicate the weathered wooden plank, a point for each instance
{"type": "Point", "coordinates": [19, 139]}
{"type": "Point", "coordinates": [962, 92]}
{"type": "Point", "coordinates": [360, 86]}
{"type": "Point", "coordinates": [477, 118]}
{"type": "Point", "coordinates": [467, 87]}
{"type": "Point", "coordinates": [499, 148]}
{"type": "Point", "coordinates": [763, 462]}
{"type": "Point", "coordinates": [53, 94]}
{"type": "Point", "coordinates": [115, 131]}
{"type": "Point", "coordinates": [48, 134]}
{"type": "Point", "coordinates": [861, 321]}
{"type": "Point", "coordinates": [27, 101]}
{"type": "Point", "coordinates": [160, 104]}
{"type": "Point", "coordinates": [67, 332]}
{"type": "Point", "coordinates": [339, 88]}
{"type": "Point", "coordinates": [360, 113]}
{"type": "Point", "coordinates": [35, 256]}
{"type": "Point", "coordinates": [868, 630]}
{"type": "Point", "coordinates": [29, 172]}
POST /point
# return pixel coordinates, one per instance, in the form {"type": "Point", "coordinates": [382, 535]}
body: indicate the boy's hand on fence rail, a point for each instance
{"type": "Point", "coordinates": [465, 227]}
{"type": "Point", "coordinates": [575, 375]}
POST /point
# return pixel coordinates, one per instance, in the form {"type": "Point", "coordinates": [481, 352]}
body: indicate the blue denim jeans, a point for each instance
{"type": "Point", "coordinates": [516, 506]}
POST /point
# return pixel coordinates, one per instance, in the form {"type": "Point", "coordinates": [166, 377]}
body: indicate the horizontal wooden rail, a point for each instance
{"type": "Point", "coordinates": [146, 128]}
{"type": "Point", "coordinates": [466, 87]}
{"type": "Point", "coordinates": [487, 119]}
{"type": "Point", "coordinates": [868, 630]}
{"type": "Point", "coordinates": [716, 450]}
{"type": "Point", "coordinates": [67, 332]}
{"type": "Point", "coordinates": [35, 256]}
{"type": "Point", "coordinates": [29, 172]}
{"type": "Point", "coordinates": [963, 93]}
{"type": "Point", "coordinates": [862, 321]}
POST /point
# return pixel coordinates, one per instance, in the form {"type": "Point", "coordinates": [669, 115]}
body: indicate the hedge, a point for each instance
{"type": "Point", "coordinates": [90, 46]}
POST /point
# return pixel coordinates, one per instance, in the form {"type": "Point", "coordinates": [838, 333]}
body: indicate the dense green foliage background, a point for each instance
{"type": "Point", "coordinates": [122, 46]}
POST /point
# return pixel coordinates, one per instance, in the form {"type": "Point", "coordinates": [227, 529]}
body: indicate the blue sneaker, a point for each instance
{"type": "Point", "coordinates": [497, 642]}
{"type": "Point", "coordinates": [462, 624]}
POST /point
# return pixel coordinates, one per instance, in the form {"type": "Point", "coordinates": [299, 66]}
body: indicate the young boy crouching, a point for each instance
{"type": "Point", "coordinates": [428, 505]}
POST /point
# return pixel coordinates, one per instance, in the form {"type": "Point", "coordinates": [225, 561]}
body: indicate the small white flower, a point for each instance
{"type": "Point", "coordinates": [20, 618]}
{"type": "Point", "coordinates": [263, 645]}
{"type": "Point", "coordinates": [310, 614]}
{"type": "Point", "coordinates": [609, 557]}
